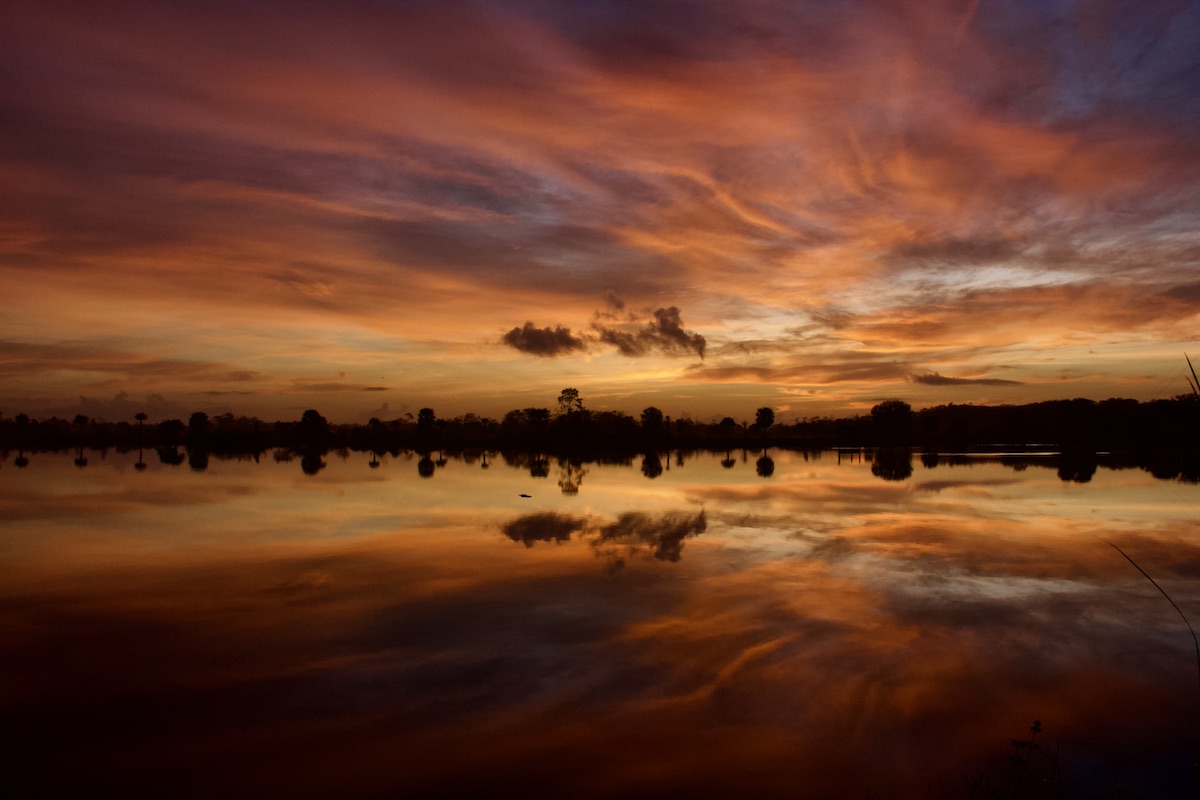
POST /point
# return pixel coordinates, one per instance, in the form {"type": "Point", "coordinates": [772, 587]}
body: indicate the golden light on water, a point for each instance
{"type": "Point", "coordinates": [707, 630]}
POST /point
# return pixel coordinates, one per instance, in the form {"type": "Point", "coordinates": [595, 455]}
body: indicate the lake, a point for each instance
{"type": "Point", "coordinates": [696, 625]}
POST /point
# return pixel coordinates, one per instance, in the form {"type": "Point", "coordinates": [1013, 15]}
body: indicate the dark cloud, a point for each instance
{"type": "Point", "coordinates": [665, 334]}
{"type": "Point", "coordinates": [957, 251]}
{"type": "Point", "coordinates": [873, 368]}
{"type": "Point", "coordinates": [1186, 292]}
{"type": "Point", "coordinates": [934, 379]}
{"type": "Point", "coordinates": [546, 341]}
{"type": "Point", "coordinates": [23, 358]}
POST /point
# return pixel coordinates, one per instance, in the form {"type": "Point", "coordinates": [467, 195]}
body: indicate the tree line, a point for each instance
{"type": "Point", "coordinates": [1114, 424]}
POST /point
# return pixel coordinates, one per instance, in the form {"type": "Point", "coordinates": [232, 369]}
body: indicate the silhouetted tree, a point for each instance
{"type": "Point", "coordinates": [652, 420]}
{"type": "Point", "coordinates": [892, 420]}
{"type": "Point", "coordinates": [764, 418]}
{"type": "Point", "coordinates": [313, 420]}
{"type": "Point", "coordinates": [198, 424]}
{"type": "Point", "coordinates": [312, 426]}
{"type": "Point", "coordinates": [569, 402]}
{"type": "Point", "coordinates": [170, 430]}
{"type": "Point", "coordinates": [539, 418]}
{"type": "Point", "coordinates": [21, 434]}
{"type": "Point", "coordinates": [426, 420]}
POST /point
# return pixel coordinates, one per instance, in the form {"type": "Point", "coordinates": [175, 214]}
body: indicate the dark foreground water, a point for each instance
{"type": "Point", "coordinates": [375, 630]}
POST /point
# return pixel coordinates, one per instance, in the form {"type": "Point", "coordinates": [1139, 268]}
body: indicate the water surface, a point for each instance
{"type": "Point", "coordinates": [799, 627]}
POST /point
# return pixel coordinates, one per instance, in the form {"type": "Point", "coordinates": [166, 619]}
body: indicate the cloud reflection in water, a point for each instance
{"type": "Point", "coordinates": [365, 632]}
{"type": "Point", "coordinates": [631, 534]}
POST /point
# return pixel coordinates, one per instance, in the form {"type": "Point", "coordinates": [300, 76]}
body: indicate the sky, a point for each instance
{"type": "Point", "coordinates": [372, 207]}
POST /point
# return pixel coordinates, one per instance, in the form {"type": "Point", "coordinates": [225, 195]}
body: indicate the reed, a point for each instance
{"type": "Point", "coordinates": [1195, 641]}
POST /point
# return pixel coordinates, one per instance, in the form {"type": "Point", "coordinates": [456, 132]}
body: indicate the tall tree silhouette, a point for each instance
{"type": "Point", "coordinates": [569, 402]}
{"type": "Point", "coordinates": [198, 424]}
{"type": "Point", "coordinates": [652, 421]}
{"type": "Point", "coordinates": [764, 418]}
{"type": "Point", "coordinates": [312, 426]}
{"type": "Point", "coordinates": [892, 420]}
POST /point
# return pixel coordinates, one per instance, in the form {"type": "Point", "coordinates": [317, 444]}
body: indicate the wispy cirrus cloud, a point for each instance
{"type": "Point", "coordinates": [928, 185]}
{"type": "Point", "coordinates": [935, 379]}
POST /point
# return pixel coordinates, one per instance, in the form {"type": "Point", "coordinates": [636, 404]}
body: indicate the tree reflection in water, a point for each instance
{"type": "Point", "coordinates": [829, 632]}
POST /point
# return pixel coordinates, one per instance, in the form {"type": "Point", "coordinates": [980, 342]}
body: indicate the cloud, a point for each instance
{"type": "Point", "coordinates": [956, 251]}
{"type": "Point", "coordinates": [819, 372]}
{"type": "Point", "coordinates": [545, 342]}
{"type": "Point", "coordinates": [665, 334]}
{"type": "Point", "coordinates": [934, 379]}
{"type": "Point", "coordinates": [167, 167]}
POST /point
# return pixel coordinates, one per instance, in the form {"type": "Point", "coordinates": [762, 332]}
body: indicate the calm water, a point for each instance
{"type": "Point", "coordinates": [250, 629]}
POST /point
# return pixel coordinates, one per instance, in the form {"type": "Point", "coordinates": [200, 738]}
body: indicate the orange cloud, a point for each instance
{"type": "Point", "coordinates": [435, 178]}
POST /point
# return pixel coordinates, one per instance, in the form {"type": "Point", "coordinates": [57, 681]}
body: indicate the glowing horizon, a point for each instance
{"type": "Point", "coordinates": [371, 208]}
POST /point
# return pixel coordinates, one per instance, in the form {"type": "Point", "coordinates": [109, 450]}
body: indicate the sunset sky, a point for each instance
{"type": "Point", "coordinates": [371, 207]}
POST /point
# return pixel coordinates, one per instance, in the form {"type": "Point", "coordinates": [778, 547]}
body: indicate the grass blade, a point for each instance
{"type": "Point", "coordinates": [1182, 616]}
